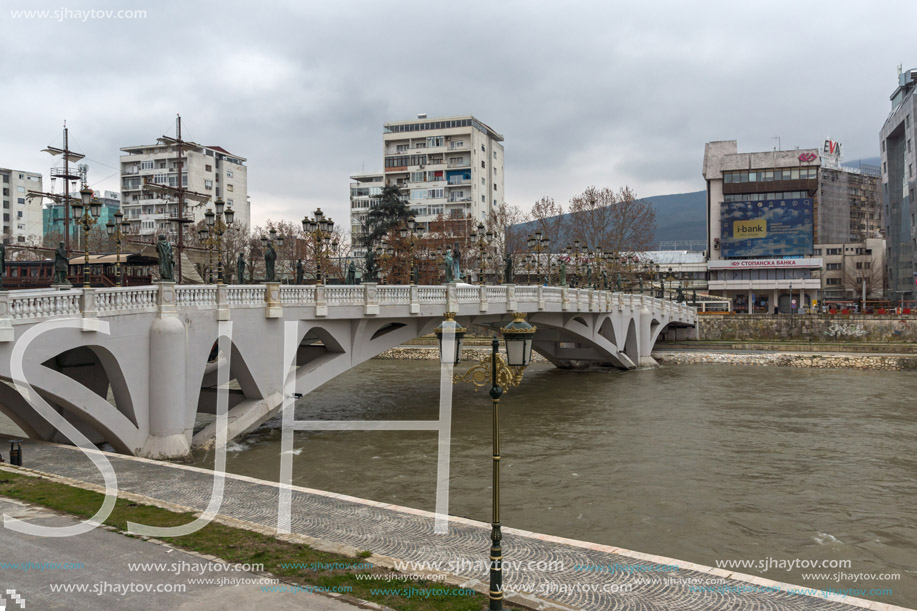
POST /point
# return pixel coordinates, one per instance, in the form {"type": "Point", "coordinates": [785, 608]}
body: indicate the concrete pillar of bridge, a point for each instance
{"type": "Point", "coordinates": [168, 437]}
{"type": "Point", "coordinates": [645, 339]}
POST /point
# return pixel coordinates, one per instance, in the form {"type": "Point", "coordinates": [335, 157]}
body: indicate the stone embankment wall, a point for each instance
{"type": "Point", "coordinates": [808, 327]}
{"type": "Point", "coordinates": [411, 353]}
{"type": "Point", "coordinates": [784, 359]}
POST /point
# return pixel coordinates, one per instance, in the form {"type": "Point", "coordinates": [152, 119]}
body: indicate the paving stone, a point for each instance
{"type": "Point", "coordinates": [388, 531]}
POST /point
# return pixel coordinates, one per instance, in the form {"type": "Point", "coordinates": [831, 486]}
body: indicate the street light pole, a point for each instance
{"type": "Point", "coordinates": [86, 212]}
{"type": "Point", "coordinates": [116, 230]}
{"type": "Point", "coordinates": [320, 229]}
{"type": "Point", "coordinates": [504, 373]}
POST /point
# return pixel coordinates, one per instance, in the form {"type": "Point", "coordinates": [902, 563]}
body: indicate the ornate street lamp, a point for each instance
{"type": "Point", "coordinates": [505, 372]}
{"type": "Point", "coordinates": [216, 227]}
{"type": "Point", "coordinates": [86, 213]}
{"type": "Point", "coordinates": [320, 229]}
{"type": "Point", "coordinates": [540, 243]}
{"type": "Point", "coordinates": [405, 232]}
{"type": "Point", "coordinates": [116, 231]}
{"type": "Point", "coordinates": [481, 239]}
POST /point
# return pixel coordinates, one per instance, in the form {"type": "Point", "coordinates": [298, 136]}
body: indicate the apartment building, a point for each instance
{"type": "Point", "coordinates": [852, 269]}
{"type": "Point", "coordinates": [22, 216]}
{"type": "Point", "coordinates": [209, 172]}
{"type": "Point", "coordinates": [450, 167]}
{"type": "Point", "coordinates": [898, 158]}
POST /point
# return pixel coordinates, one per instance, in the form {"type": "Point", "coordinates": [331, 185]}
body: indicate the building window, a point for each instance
{"type": "Point", "coordinates": [833, 266]}
{"type": "Point", "coordinates": [229, 187]}
{"type": "Point", "coordinates": [495, 186]}
{"type": "Point", "coordinates": [482, 165]}
{"type": "Point", "coordinates": [859, 265]}
{"type": "Point", "coordinates": [228, 173]}
{"type": "Point", "coordinates": [482, 181]}
{"type": "Point", "coordinates": [832, 281]}
{"type": "Point", "coordinates": [867, 265]}
{"type": "Point", "coordinates": [20, 189]}
{"type": "Point", "coordinates": [208, 184]}
{"type": "Point", "coordinates": [833, 251]}
{"type": "Point", "coordinates": [20, 200]}
{"type": "Point", "coordinates": [817, 252]}
{"type": "Point", "coordinates": [400, 148]}
{"type": "Point", "coordinates": [483, 200]}
{"type": "Point", "coordinates": [146, 165]}
{"type": "Point", "coordinates": [208, 168]}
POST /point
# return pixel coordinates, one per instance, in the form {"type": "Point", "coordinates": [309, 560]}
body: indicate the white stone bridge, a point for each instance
{"type": "Point", "coordinates": [131, 366]}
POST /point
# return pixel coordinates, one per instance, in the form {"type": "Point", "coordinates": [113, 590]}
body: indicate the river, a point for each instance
{"type": "Point", "coordinates": [702, 463]}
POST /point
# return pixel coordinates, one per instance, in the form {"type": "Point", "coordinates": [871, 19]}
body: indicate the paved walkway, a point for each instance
{"type": "Point", "coordinates": [407, 534]}
{"type": "Point", "coordinates": [105, 570]}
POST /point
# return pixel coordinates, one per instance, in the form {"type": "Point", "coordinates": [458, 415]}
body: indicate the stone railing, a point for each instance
{"type": "Point", "coordinates": [391, 295]}
{"type": "Point", "coordinates": [251, 295]}
{"type": "Point", "coordinates": [126, 300]}
{"type": "Point", "coordinates": [20, 307]}
{"type": "Point", "coordinates": [196, 296]}
{"type": "Point", "coordinates": [344, 295]}
{"type": "Point", "coordinates": [24, 305]}
{"type": "Point", "coordinates": [431, 294]}
{"type": "Point", "coordinates": [297, 295]}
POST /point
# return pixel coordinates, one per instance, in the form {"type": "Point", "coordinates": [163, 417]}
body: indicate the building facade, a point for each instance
{"type": "Point", "coordinates": [450, 167]}
{"type": "Point", "coordinates": [853, 271]}
{"type": "Point", "coordinates": [896, 147]}
{"type": "Point", "coordinates": [53, 214]}
{"type": "Point", "coordinates": [22, 216]}
{"type": "Point", "coordinates": [210, 172]}
{"type": "Point", "coordinates": [769, 215]}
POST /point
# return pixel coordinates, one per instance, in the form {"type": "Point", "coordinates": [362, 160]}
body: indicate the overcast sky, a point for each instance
{"type": "Point", "coordinates": [585, 93]}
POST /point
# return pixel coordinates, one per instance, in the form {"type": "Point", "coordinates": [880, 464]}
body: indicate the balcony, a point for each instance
{"type": "Point", "coordinates": [459, 200]}
{"type": "Point", "coordinates": [454, 182]}
{"type": "Point", "coordinates": [460, 164]}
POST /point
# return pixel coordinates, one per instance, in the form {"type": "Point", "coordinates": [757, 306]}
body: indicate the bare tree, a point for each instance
{"type": "Point", "coordinates": [499, 221]}
{"type": "Point", "coordinates": [872, 277]}
{"type": "Point", "coordinates": [616, 221]}
{"type": "Point", "coordinates": [550, 220]}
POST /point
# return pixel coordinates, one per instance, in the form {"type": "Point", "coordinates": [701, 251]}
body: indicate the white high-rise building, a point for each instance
{"type": "Point", "coordinates": [22, 217]}
{"type": "Point", "coordinates": [210, 171]}
{"type": "Point", "coordinates": [450, 166]}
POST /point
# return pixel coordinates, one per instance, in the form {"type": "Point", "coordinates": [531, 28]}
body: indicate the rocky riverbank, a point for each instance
{"type": "Point", "coordinates": [430, 353]}
{"type": "Point", "coordinates": [791, 359]}
{"type": "Point", "coordinates": [888, 362]}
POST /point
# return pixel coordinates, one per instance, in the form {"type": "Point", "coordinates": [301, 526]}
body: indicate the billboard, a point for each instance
{"type": "Point", "coordinates": [771, 228]}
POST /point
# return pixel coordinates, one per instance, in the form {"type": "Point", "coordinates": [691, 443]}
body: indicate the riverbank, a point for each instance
{"type": "Point", "coordinates": [818, 360]}
{"type": "Point", "coordinates": [823, 360]}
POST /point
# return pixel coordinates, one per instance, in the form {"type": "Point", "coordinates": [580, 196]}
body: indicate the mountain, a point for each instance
{"type": "Point", "coordinates": [681, 217]}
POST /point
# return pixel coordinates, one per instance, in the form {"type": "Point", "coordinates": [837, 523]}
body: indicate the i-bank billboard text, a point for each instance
{"type": "Point", "coordinates": [771, 228]}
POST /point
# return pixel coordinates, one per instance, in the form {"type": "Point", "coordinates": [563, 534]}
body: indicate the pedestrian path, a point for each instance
{"type": "Point", "coordinates": [574, 574]}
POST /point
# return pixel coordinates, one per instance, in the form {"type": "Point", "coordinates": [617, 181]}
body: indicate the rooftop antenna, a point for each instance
{"type": "Point", "coordinates": [777, 138]}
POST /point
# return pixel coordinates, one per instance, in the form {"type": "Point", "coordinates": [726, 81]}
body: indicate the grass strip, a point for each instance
{"type": "Point", "coordinates": [236, 545]}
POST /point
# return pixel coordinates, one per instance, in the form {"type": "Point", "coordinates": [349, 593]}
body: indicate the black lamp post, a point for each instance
{"type": "Point", "coordinates": [213, 235]}
{"type": "Point", "coordinates": [538, 244]}
{"type": "Point", "coordinates": [116, 230]}
{"type": "Point", "coordinates": [86, 212]}
{"type": "Point", "coordinates": [504, 373]}
{"type": "Point", "coordinates": [407, 231]}
{"type": "Point", "coordinates": [320, 229]}
{"type": "Point", "coordinates": [481, 239]}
